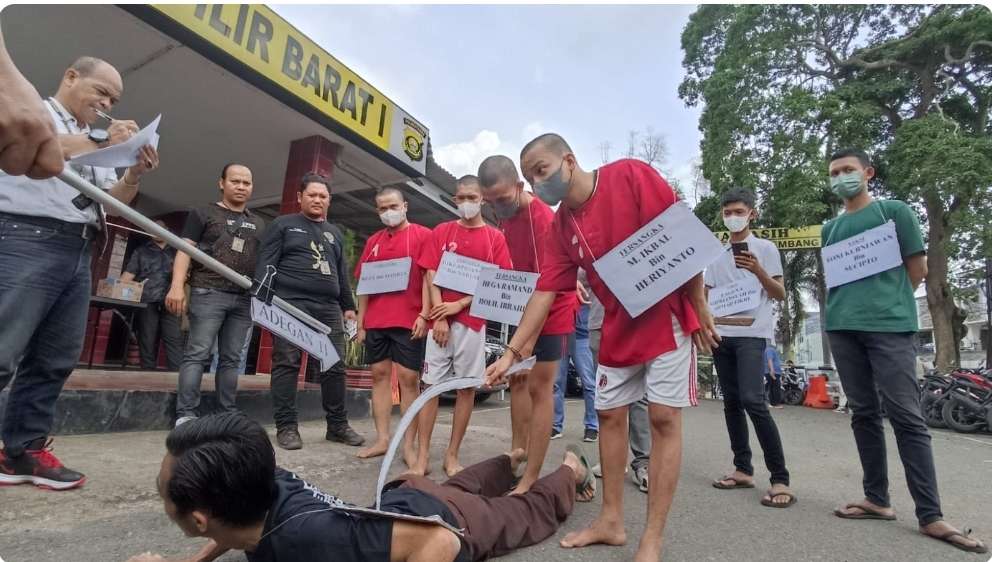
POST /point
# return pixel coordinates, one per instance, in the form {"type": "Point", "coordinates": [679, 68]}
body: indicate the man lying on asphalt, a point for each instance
{"type": "Point", "coordinates": [219, 480]}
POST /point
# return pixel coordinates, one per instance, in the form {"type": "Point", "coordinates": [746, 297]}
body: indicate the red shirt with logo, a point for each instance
{"type": "Point", "coordinates": [398, 309]}
{"type": "Point", "coordinates": [525, 234]}
{"type": "Point", "coordinates": [628, 195]}
{"type": "Point", "coordinates": [483, 243]}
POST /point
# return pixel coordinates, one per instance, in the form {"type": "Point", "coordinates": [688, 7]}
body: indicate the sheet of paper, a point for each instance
{"type": "Point", "coordinates": [387, 276]}
{"type": "Point", "coordinates": [125, 154]}
{"type": "Point", "coordinates": [863, 255]}
{"type": "Point", "coordinates": [460, 273]}
{"type": "Point", "coordinates": [741, 295]}
{"type": "Point", "coordinates": [502, 294]}
{"type": "Point", "coordinates": [524, 365]}
{"type": "Point", "coordinates": [658, 259]}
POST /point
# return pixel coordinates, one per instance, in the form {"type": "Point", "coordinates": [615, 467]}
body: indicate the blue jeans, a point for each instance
{"type": "Point", "coordinates": [44, 300]}
{"type": "Point", "coordinates": [242, 363]}
{"type": "Point", "coordinates": [213, 314]}
{"type": "Point", "coordinates": [581, 356]}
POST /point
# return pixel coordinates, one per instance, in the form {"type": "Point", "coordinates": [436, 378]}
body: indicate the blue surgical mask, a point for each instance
{"type": "Point", "coordinates": [847, 185]}
{"type": "Point", "coordinates": [553, 189]}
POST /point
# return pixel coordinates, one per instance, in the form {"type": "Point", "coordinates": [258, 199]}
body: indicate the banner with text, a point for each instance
{"type": "Point", "coordinates": [460, 273]}
{"type": "Point", "coordinates": [741, 295]}
{"type": "Point", "coordinates": [285, 325]}
{"type": "Point", "coordinates": [791, 238]}
{"type": "Point", "coordinates": [502, 294]}
{"type": "Point", "coordinates": [658, 259]}
{"type": "Point", "coordinates": [869, 253]}
{"type": "Point", "coordinates": [386, 276]}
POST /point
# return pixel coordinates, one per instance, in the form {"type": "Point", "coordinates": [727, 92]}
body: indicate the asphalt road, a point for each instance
{"type": "Point", "coordinates": [118, 512]}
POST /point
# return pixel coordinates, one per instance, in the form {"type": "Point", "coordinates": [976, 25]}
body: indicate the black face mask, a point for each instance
{"type": "Point", "coordinates": [507, 210]}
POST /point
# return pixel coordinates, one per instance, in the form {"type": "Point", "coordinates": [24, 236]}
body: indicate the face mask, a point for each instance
{"type": "Point", "coordinates": [468, 210]}
{"type": "Point", "coordinates": [392, 217]}
{"type": "Point", "coordinates": [847, 185]}
{"type": "Point", "coordinates": [553, 189]}
{"type": "Point", "coordinates": [735, 223]}
{"type": "Point", "coordinates": [507, 210]}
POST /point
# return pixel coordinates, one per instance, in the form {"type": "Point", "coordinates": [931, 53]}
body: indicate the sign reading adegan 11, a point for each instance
{"type": "Point", "coordinates": [268, 44]}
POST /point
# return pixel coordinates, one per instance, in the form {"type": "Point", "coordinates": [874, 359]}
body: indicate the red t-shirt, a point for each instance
{"type": "Point", "coordinates": [629, 194]}
{"type": "Point", "coordinates": [484, 243]}
{"type": "Point", "coordinates": [525, 233]}
{"type": "Point", "coordinates": [399, 309]}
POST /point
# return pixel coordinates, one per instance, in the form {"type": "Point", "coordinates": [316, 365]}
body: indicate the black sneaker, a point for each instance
{"type": "Point", "coordinates": [289, 438]}
{"type": "Point", "coordinates": [344, 434]}
{"type": "Point", "coordinates": [39, 467]}
{"type": "Point", "coordinates": [591, 436]}
{"type": "Point", "coordinates": [555, 434]}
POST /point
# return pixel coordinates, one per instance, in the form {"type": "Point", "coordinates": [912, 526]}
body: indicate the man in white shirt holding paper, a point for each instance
{"type": "Point", "coordinates": [741, 284]}
{"type": "Point", "coordinates": [48, 231]}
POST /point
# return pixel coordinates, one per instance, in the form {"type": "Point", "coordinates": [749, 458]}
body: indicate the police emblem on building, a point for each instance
{"type": "Point", "coordinates": [413, 139]}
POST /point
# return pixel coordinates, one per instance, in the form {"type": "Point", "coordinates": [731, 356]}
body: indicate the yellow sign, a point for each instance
{"type": "Point", "coordinates": [797, 238]}
{"type": "Point", "coordinates": [267, 44]}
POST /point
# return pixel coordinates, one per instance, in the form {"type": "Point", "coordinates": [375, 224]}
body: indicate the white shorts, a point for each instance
{"type": "Point", "coordinates": [464, 356]}
{"type": "Point", "coordinates": [669, 379]}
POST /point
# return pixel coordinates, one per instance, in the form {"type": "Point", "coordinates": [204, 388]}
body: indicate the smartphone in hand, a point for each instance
{"type": "Point", "coordinates": [738, 248]}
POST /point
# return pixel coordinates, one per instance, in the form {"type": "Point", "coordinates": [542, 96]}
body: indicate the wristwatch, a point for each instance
{"type": "Point", "coordinates": [99, 136]}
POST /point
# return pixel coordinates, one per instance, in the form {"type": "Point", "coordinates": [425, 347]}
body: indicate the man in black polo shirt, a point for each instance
{"type": "Point", "coordinates": [311, 273]}
{"type": "Point", "coordinates": [219, 480]}
{"type": "Point", "coordinates": [151, 264]}
{"type": "Point", "coordinates": [228, 232]}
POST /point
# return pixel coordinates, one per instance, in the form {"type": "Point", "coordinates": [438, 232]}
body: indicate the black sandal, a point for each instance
{"type": "Point", "coordinates": [588, 484]}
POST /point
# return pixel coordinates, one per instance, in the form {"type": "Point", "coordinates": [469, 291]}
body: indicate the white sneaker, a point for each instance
{"type": "Point", "coordinates": [640, 477]}
{"type": "Point", "coordinates": [184, 419]}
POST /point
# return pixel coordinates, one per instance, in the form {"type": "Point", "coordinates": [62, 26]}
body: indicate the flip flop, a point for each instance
{"type": "Point", "coordinates": [719, 485]}
{"type": "Point", "coordinates": [867, 513]}
{"type": "Point", "coordinates": [770, 501]}
{"type": "Point", "coordinates": [979, 548]}
{"type": "Point", "coordinates": [588, 483]}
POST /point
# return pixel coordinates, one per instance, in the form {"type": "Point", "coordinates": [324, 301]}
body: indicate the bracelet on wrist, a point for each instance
{"type": "Point", "coordinates": [129, 184]}
{"type": "Point", "coordinates": [516, 353]}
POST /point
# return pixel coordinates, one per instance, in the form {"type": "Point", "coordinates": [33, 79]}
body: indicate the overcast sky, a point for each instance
{"type": "Point", "coordinates": [486, 79]}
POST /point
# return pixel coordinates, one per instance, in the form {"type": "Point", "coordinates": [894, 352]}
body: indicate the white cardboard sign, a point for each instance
{"type": "Point", "coordinates": [743, 294]}
{"type": "Point", "coordinates": [460, 273]}
{"type": "Point", "coordinates": [386, 276]}
{"type": "Point", "coordinates": [502, 294]}
{"type": "Point", "coordinates": [658, 259]}
{"type": "Point", "coordinates": [866, 254]}
{"type": "Point", "coordinates": [285, 325]}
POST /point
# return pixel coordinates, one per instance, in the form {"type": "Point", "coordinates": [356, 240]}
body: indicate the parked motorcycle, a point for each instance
{"type": "Point", "coordinates": [793, 388]}
{"type": "Point", "coordinates": [932, 398]}
{"type": "Point", "coordinates": [968, 407]}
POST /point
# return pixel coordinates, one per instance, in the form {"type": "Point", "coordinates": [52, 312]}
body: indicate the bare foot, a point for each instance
{"type": "Point", "coordinates": [452, 467]}
{"type": "Point", "coordinates": [410, 457]}
{"type": "Point", "coordinates": [418, 470]}
{"type": "Point", "coordinates": [944, 531]}
{"type": "Point", "coordinates": [377, 449]}
{"type": "Point", "coordinates": [522, 487]}
{"type": "Point", "coordinates": [573, 462]}
{"type": "Point", "coordinates": [648, 552]}
{"type": "Point", "coordinates": [517, 457]}
{"type": "Point", "coordinates": [599, 532]}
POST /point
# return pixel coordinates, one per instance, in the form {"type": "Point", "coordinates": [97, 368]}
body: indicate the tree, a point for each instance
{"type": "Point", "coordinates": [785, 85]}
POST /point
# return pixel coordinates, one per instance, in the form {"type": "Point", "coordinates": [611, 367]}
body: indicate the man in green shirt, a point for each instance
{"type": "Point", "coordinates": [872, 323]}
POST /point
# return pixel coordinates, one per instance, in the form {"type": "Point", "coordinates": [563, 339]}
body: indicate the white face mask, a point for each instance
{"type": "Point", "coordinates": [392, 217]}
{"type": "Point", "coordinates": [469, 210]}
{"type": "Point", "coordinates": [735, 223]}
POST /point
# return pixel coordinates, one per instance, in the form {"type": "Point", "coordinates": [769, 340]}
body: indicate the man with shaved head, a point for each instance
{"type": "Point", "coordinates": [48, 230]}
{"type": "Point", "coordinates": [651, 353]}
{"type": "Point", "coordinates": [526, 223]}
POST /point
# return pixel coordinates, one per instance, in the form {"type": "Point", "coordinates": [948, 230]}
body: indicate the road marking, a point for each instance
{"type": "Point", "coordinates": [982, 441]}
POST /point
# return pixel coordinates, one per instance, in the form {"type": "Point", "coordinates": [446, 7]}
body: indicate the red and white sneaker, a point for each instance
{"type": "Point", "coordinates": [39, 467]}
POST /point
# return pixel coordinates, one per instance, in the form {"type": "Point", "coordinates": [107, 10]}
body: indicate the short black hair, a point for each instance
{"type": "Point", "coordinates": [313, 177]}
{"type": "Point", "coordinates": [223, 171]}
{"type": "Point", "coordinates": [552, 141]}
{"type": "Point", "coordinates": [738, 195]}
{"type": "Point", "coordinates": [495, 169]}
{"type": "Point", "coordinates": [861, 155]}
{"type": "Point", "coordinates": [225, 465]}
{"type": "Point", "coordinates": [390, 190]}
{"type": "Point", "coordinates": [85, 65]}
{"type": "Point", "coordinates": [468, 179]}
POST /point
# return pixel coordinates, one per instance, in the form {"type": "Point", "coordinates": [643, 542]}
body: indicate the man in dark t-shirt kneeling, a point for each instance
{"type": "Point", "coordinates": [219, 480]}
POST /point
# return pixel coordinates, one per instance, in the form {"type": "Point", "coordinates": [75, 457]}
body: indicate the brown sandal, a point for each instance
{"type": "Point", "coordinates": [866, 513]}
{"type": "Point", "coordinates": [979, 547]}
{"type": "Point", "coordinates": [769, 501]}
{"type": "Point", "coordinates": [719, 485]}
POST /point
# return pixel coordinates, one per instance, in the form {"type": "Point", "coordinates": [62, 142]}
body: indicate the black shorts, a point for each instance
{"type": "Point", "coordinates": [550, 348]}
{"type": "Point", "coordinates": [396, 345]}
